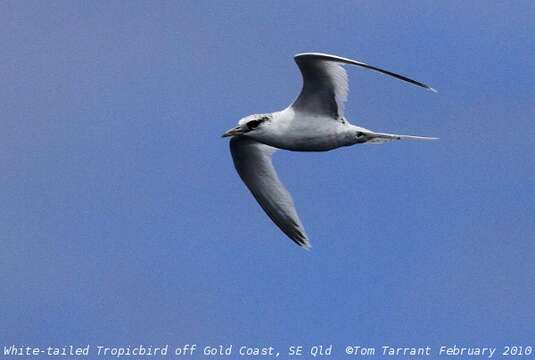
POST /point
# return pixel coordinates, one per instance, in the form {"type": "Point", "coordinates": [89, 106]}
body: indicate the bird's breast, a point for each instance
{"type": "Point", "coordinates": [311, 134]}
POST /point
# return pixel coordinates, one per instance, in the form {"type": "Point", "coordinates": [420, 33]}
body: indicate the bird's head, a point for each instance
{"type": "Point", "coordinates": [251, 124]}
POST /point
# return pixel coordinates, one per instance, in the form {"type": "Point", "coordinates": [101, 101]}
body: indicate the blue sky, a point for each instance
{"type": "Point", "coordinates": [123, 220]}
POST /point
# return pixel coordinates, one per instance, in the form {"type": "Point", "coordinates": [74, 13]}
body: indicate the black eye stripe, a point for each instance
{"type": "Point", "coordinates": [254, 123]}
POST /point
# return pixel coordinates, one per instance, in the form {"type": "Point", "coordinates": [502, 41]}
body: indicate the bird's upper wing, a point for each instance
{"type": "Point", "coordinates": [325, 84]}
{"type": "Point", "coordinates": [253, 163]}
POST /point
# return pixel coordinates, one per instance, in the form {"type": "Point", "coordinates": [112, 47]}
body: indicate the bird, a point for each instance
{"type": "Point", "coordinates": [315, 121]}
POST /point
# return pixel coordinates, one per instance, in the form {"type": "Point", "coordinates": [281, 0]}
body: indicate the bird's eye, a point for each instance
{"type": "Point", "coordinates": [253, 124]}
{"type": "Point", "coordinates": [359, 134]}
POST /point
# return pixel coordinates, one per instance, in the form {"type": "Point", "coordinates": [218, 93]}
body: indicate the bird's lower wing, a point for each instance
{"type": "Point", "coordinates": [254, 165]}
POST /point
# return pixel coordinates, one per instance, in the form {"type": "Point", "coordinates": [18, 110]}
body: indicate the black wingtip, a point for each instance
{"type": "Point", "coordinates": [303, 243]}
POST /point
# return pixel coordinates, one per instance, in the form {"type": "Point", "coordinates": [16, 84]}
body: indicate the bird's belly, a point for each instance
{"type": "Point", "coordinates": [322, 143]}
{"type": "Point", "coordinates": [298, 132]}
{"type": "Point", "coordinates": [306, 140]}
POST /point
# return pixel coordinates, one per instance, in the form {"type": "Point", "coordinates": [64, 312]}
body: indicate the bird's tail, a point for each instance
{"type": "Point", "coordinates": [379, 138]}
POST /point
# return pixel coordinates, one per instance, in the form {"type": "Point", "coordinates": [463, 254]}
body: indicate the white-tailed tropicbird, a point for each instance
{"type": "Point", "coordinates": [314, 122]}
